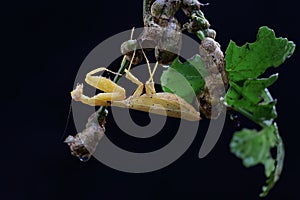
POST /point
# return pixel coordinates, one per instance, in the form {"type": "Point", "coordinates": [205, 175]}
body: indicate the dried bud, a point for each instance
{"type": "Point", "coordinates": [128, 47]}
{"type": "Point", "coordinates": [210, 33]}
{"type": "Point", "coordinates": [150, 36]}
{"type": "Point", "coordinates": [197, 23]}
{"type": "Point", "coordinates": [216, 82]}
{"type": "Point", "coordinates": [213, 57]}
{"type": "Point", "coordinates": [164, 57]}
{"type": "Point", "coordinates": [192, 4]}
{"type": "Point", "coordinates": [169, 45]}
{"type": "Point", "coordinates": [138, 58]}
{"type": "Point", "coordinates": [84, 144]}
{"type": "Point", "coordinates": [164, 9]}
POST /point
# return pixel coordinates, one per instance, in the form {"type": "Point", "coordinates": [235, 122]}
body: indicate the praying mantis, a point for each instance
{"type": "Point", "coordinates": [162, 26]}
{"type": "Point", "coordinates": [158, 103]}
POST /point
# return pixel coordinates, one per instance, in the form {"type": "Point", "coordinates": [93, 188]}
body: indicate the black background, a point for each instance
{"type": "Point", "coordinates": [43, 45]}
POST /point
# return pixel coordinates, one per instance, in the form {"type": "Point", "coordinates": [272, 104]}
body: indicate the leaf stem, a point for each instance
{"type": "Point", "coordinates": [279, 164]}
{"type": "Point", "coordinates": [263, 124]}
{"type": "Point", "coordinates": [267, 97]}
{"type": "Point", "coordinates": [280, 154]}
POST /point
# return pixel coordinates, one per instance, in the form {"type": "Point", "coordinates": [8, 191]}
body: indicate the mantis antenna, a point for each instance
{"type": "Point", "coordinates": [67, 121]}
{"type": "Point", "coordinates": [148, 64]}
{"type": "Point", "coordinates": [131, 37]}
{"type": "Point", "coordinates": [153, 72]}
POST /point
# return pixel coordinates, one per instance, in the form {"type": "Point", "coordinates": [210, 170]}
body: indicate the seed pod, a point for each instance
{"type": "Point", "coordinates": [210, 99]}
{"type": "Point", "coordinates": [164, 9]}
{"type": "Point", "coordinates": [198, 22]}
{"type": "Point", "coordinates": [169, 45]}
{"type": "Point", "coordinates": [150, 36]}
{"type": "Point", "coordinates": [211, 53]}
{"type": "Point", "coordinates": [84, 144]}
{"type": "Point", "coordinates": [164, 57]}
{"type": "Point", "coordinates": [157, 8]}
{"type": "Point", "coordinates": [128, 47]}
{"type": "Point", "coordinates": [189, 6]}
{"type": "Point", "coordinates": [210, 33]}
{"type": "Point", "coordinates": [138, 58]}
{"type": "Point", "coordinates": [216, 81]}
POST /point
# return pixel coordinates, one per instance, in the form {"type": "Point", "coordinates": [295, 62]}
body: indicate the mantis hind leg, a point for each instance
{"type": "Point", "coordinates": [138, 92]}
{"type": "Point", "coordinates": [149, 86]}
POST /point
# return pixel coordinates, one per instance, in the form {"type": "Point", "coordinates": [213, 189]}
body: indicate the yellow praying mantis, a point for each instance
{"type": "Point", "coordinates": [114, 95]}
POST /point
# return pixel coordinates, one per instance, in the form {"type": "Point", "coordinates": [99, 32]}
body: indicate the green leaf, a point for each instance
{"type": "Point", "coordinates": [252, 59]}
{"type": "Point", "coordinates": [253, 88]}
{"type": "Point", "coordinates": [253, 97]}
{"type": "Point", "coordinates": [184, 79]}
{"type": "Point", "coordinates": [275, 175]}
{"type": "Point", "coordinates": [249, 95]}
{"type": "Point", "coordinates": [255, 147]}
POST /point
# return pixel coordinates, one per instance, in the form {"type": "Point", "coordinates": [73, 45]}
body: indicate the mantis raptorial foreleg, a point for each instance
{"type": "Point", "coordinates": [113, 92]}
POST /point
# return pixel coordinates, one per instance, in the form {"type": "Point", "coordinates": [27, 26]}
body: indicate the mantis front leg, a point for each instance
{"type": "Point", "coordinates": [113, 92]}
